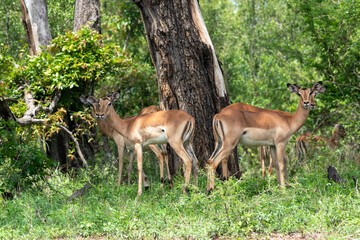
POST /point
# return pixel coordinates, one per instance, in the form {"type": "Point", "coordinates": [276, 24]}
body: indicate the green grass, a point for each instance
{"type": "Point", "coordinates": [250, 207]}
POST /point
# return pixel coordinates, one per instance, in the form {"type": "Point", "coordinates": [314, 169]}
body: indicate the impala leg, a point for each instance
{"type": "Point", "coordinates": [131, 161]}
{"type": "Point", "coordinates": [120, 147]}
{"type": "Point", "coordinates": [139, 157]}
{"type": "Point", "coordinates": [282, 165]}
{"type": "Point", "coordinates": [225, 170]}
{"type": "Point", "coordinates": [146, 185]}
{"type": "Point", "coordinates": [181, 152]}
{"type": "Point", "coordinates": [217, 157]}
{"type": "Point", "coordinates": [195, 162]}
{"type": "Point", "coordinates": [166, 158]}
{"type": "Point", "coordinates": [285, 164]}
{"type": "Point", "coordinates": [271, 163]}
{"type": "Point", "coordinates": [262, 160]}
{"type": "Point", "coordinates": [274, 157]}
{"type": "Point", "coordinates": [159, 155]}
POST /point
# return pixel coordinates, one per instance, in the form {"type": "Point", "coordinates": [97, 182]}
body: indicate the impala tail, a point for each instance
{"type": "Point", "coordinates": [218, 131]}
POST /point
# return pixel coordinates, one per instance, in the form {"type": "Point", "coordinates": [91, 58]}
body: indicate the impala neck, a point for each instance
{"type": "Point", "coordinates": [116, 122]}
{"type": "Point", "coordinates": [299, 117]}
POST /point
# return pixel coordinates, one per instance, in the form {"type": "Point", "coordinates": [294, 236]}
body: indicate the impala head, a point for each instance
{"type": "Point", "coordinates": [307, 95]}
{"type": "Point", "coordinates": [100, 107]}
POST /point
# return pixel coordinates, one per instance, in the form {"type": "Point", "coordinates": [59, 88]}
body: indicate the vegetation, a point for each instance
{"type": "Point", "coordinates": [250, 207]}
{"type": "Point", "coordinates": [262, 46]}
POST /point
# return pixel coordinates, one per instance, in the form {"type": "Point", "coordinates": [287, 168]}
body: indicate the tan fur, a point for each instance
{"type": "Point", "coordinates": [306, 140]}
{"type": "Point", "coordinates": [154, 128]}
{"type": "Point", "coordinates": [264, 151]}
{"type": "Point", "coordinates": [261, 128]}
{"type": "Point", "coordinates": [123, 143]}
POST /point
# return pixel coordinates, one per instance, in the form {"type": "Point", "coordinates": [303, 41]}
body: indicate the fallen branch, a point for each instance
{"type": "Point", "coordinates": [80, 192]}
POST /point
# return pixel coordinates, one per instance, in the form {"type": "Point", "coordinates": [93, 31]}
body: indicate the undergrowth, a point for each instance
{"type": "Point", "coordinates": [243, 208]}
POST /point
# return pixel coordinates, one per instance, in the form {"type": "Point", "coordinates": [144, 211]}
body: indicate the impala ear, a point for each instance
{"type": "Point", "coordinates": [83, 99]}
{"type": "Point", "coordinates": [92, 100]}
{"type": "Point", "coordinates": [318, 88]}
{"type": "Point", "coordinates": [115, 96]}
{"type": "Point", "coordinates": [294, 88]}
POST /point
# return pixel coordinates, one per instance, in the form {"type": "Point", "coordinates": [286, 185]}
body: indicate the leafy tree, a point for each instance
{"type": "Point", "coordinates": [72, 65]}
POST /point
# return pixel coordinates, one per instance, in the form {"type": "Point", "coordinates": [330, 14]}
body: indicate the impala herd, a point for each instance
{"type": "Point", "coordinates": [269, 130]}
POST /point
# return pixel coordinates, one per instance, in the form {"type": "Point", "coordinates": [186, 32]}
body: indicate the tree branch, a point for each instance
{"type": "Point", "coordinates": [30, 113]}
{"type": "Point", "coordinates": [77, 146]}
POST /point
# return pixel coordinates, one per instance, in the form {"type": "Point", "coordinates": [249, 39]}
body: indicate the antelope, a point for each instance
{"type": "Point", "coordinates": [303, 142]}
{"type": "Point", "coordinates": [262, 128]}
{"type": "Point", "coordinates": [264, 151]}
{"type": "Point", "coordinates": [122, 143]}
{"type": "Point", "coordinates": [172, 126]}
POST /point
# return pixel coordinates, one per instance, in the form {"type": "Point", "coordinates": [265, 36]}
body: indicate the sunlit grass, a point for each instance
{"type": "Point", "coordinates": [251, 206]}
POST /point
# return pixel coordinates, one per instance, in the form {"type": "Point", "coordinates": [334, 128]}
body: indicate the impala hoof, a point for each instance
{"type": "Point", "coordinates": [170, 183]}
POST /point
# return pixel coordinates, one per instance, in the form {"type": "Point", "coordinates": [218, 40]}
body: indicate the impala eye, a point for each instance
{"type": "Point", "coordinates": [109, 104]}
{"type": "Point", "coordinates": [99, 105]}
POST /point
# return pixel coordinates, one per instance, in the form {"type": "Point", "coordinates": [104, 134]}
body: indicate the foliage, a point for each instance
{"type": "Point", "coordinates": [12, 33]}
{"type": "Point", "coordinates": [60, 16]}
{"type": "Point", "coordinates": [122, 23]}
{"type": "Point", "coordinates": [334, 33]}
{"type": "Point", "coordinates": [22, 162]}
{"type": "Point", "coordinates": [248, 208]}
{"type": "Point", "coordinates": [72, 63]}
{"type": "Point", "coordinates": [265, 44]}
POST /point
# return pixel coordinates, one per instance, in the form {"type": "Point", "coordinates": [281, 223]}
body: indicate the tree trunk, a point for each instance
{"type": "Point", "coordinates": [36, 24]}
{"type": "Point", "coordinates": [189, 75]}
{"type": "Point", "coordinates": [87, 11]}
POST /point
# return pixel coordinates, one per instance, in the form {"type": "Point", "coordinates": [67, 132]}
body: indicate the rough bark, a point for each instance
{"type": "Point", "coordinates": [87, 11]}
{"type": "Point", "coordinates": [189, 75]}
{"type": "Point", "coordinates": [35, 21]}
{"type": "Point", "coordinates": [5, 112]}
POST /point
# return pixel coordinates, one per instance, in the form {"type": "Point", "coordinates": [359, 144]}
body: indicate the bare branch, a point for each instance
{"type": "Point", "coordinates": [50, 109]}
{"type": "Point", "coordinates": [80, 192]}
{"type": "Point", "coordinates": [77, 146]}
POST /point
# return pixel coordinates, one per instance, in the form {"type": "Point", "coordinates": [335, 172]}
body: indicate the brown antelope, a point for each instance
{"type": "Point", "coordinates": [262, 128]}
{"type": "Point", "coordinates": [122, 143]}
{"type": "Point", "coordinates": [173, 126]}
{"type": "Point", "coordinates": [307, 140]}
{"type": "Point", "coordinates": [264, 151]}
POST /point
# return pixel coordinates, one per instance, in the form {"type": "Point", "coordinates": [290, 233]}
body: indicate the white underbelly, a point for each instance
{"type": "Point", "coordinates": [159, 140]}
{"type": "Point", "coordinates": [253, 143]}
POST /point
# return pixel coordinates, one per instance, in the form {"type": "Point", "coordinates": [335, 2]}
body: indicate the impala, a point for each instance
{"type": "Point", "coordinates": [307, 140]}
{"type": "Point", "coordinates": [262, 128]}
{"type": "Point", "coordinates": [173, 126]}
{"type": "Point", "coordinates": [122, 143]}
{"type": "Point", "coordinates": [264, 151]}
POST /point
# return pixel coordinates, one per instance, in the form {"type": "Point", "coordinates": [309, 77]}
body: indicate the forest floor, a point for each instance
{"type": "Point", "coordinates": [247, 208]}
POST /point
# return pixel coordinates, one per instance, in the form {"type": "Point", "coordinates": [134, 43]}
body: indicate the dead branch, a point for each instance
{"type": "Point", "coordinates": [77, 146]}
{"type": "Point", "coordinates": [31, 112]}
{"type": "Point", "coordinates": [50, 109]}
{"type": "Point", "coordinates": [80, 192]}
